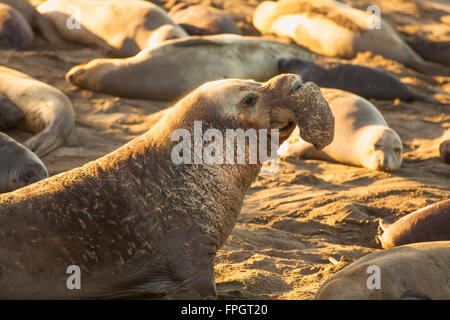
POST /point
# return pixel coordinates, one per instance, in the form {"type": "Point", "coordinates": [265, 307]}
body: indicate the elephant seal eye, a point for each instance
{"type": "Point", "coordinates": [249, 100]}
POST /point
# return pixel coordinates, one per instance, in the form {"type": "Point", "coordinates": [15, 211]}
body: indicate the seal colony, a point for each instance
{"type": "Point", "coordinates": [48, 112]}
{"type": "Point", "coordinates": [363, 138]}
{"type": "Point", "coordinates": [19, 166]}
{"type": "Point", "coordinates": [122, 27]}
{"type": "Point", "coordinates": [132, 228]}
{"type": "Point", "coordinates": [419, 267]}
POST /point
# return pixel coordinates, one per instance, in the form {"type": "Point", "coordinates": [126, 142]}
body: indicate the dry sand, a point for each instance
{"type": "Point", "coordinates": [294, 221]}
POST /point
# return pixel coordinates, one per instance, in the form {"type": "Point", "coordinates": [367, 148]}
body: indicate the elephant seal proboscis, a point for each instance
{"type": "Point", "coordinates": [35, 19]}
{"type": "Point", "coordinates": [444, 147]}
{"type": "Point", "coordinates": [172, 69]}
{"type": "Point", "coordinates": [363, 138]}
{"type": "Point", "coordinates": [431, 223]}
{"type": "Point", "coordinates": [19, 166]}
{"type": "Point", "coordinates": [202, 21]}
{"type": "Point", "coordinates": [136, 223]}
{"type": "Point", "coordinates": [15, 31]}
{"type": "Point", "coordinates": [10, 114]}
{"type": "Point", "coordinates": [414, 271]}
{"type": "Point", "coordinates": [335, 29]}
{"type": "Point", "coordinates": [48, 112]}
{"type": "Point", "coordinates": [123, 28]}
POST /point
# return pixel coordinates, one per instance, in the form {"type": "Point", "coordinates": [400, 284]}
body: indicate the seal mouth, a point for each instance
{"type": "Point", "coordinates": [284, 128]}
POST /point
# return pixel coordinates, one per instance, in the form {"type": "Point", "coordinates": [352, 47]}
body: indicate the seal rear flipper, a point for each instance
{"type": "Point", "coordinates": [45, 141]}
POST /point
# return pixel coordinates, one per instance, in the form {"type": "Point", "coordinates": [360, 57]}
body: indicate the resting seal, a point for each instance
{"type": "Point", "coordinates": [136, 223]}
{"type": "Point", "coordinates": [15, 32]}
{"type": "Point", "coordinates": [335, 29]}
{"type": "Point", "coordinates": [35, 19]}
{"type": "Point", "coordinates": [19, 166]}
{"type": "Point", "coordinates": [444, 147]}
{"type": "Point", "coordinates": [9, 114]}
{"type": "Point", "coordinates": [203, 21]}
{"type": "Point", "coordinates": [122, 27]}
{"type": "Point", "coordinates": [431, 223]}
{"type": "Point", "coordinates": [418, 270]}
{"type": "Point", "coordinates": [176, 67]}
{"type": "Point", "coordinates": [362, 137]}
{"type": "Point", "coordinates": [48, 112]}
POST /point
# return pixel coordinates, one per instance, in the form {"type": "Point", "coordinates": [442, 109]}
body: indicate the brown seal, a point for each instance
{"type": "Point", "coordinates": [136, 223]}
{"type": "Point", "coordinates": [19, 166]}
{"type": "Point", "coordinates": [444, 147]}
{"type": "Point", "coordinates": [15, 32]}
{"type": "Point", "coordinates": [431, 223]}
{"type": "Point", "coordinates": [414, 271]}
{"type": "Point", "coordinates": [202, 21]}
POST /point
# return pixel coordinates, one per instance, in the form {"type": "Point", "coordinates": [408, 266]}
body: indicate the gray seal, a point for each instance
{"type": "Point", "coordinates": [15, 31]}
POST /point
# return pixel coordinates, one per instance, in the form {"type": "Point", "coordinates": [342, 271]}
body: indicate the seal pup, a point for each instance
{"type": "Point", "coordinates": [35, 19]}
{"type": "Point", "coordinates": [136, 223]}
{"type": "Point", "coordinates": [444, 147]}
{"type": "Point", "coordinates": [419, 269]}
{"type": "Point", "coordinates": [19, 166]}
{"type": "Point", "coordinates": [431, 223]}
{"type": "Point", "coordinates": [336, 29]}
{"type": "Point", "coordinates": [363, 138]}
{"type": "Point", "coordinates": [15, 32]}
{"type": "Point", "coordinates": [178, 66]}
{"type": "Point", "coordinates": [9, 114]}
{"type": "Point", "coordinates": [48, 112]}
{"type": "Point", "coordinates": [123, 28]}
{"type": "Point", "coordinates": [202, 21]}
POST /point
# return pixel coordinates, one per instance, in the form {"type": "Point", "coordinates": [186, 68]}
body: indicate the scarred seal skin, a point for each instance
{"type": "Point", "coordinates": [136, 223]}
{"type": "Point", "coordinates": [431, 223]}
{"type": "Point", "coordinates": [19, 166]}
{"type": "Point", "coordinates": [414, 271]}
{"type": "Point", "coordinates": [48, 112]}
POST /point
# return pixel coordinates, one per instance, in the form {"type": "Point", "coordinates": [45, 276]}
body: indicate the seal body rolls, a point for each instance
{"type": "Point", "coordinates": [122, 27]}
{"type": "Point", "coordinates": [202, 21]}
{"type": "Point", "coordinates": [48, 112]}
{"type": "Point", "coordinates": [362, 137]}
{"type": "Point", "coordinates": [420, 268]}
{"type": "Point", "coordinates": [19, 166]}
{"type": "Point", "coordinates": [335, 29]}
{"type": "Point", "coordinates": [364, 81]}
{"type": "Point", "coordinates": [177, 66]}
{"type": "Point", "coordinates": [431, 223]}
{"type": "Point", "coordinates": [139, 223]}
{"type": "Point", "coordinates": [15, 32]}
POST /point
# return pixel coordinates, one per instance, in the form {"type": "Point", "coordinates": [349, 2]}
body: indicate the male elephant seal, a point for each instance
{"type": "Point", "coordinates": [419, 270]}
{"type": "Point", "coordinates": [362, 137]}
{"type": "Point", "coordinates": [48, 112]}
{"type": "Point", "coordinates": [177, 66]}
{"type": "Point", "coordinates": [136, 223]}
{"type": "Point", "coordinates": [35, 19]}
{"type": "Point", "coordinates": [431, 223]}
{"type": "Point", "coordinates": [336, 29]}
{"type": "Point", "coordinates": [203, 21]}
{"type": "Point", "coordinates": [122, 27]}
{"type": "Point", "coordinates": [15, 32]}
{"type": "Point", "coordinates": [444, 147]}
{"type": "Point", "coordinates": [19, 166]}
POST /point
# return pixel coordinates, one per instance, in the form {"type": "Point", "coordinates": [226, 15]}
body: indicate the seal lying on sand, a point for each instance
{"type": "Point", "coordinates": [364, 81]}
{"type": "Point", "coordinates": [422, 268]}
{"type": "Point", "coordinates": [177, 66]}
{"type": "Point", "coordinates": [431, 223]}
{"type": "Point", "coordinates": [35, 19]}
{"type": "Point", "coordinates": [436, 51]}
{"type": "Point", "coordinates": [362, 137]}
{"type": "Point", "coordinates": [136, 223]}
{"type": "Point", "coordinates": [444, 147]}
{"type": "Point", "coordinates": [203, 21]}
{"type": "Point", "coordinates": [19, 166]}
{"type": "Point", "coordinates": [48, 112]}
{"type": "Point", "coordinates": [122, 27]}
{"type": "Point", "coordinates": [336, 29]}
{"type": "Point", "coordinates": [9, 114]}
{"type": "Point", "coordinates": [15, 32]}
